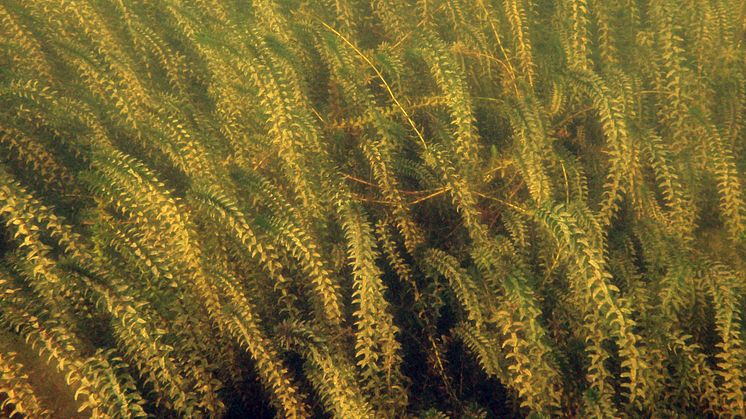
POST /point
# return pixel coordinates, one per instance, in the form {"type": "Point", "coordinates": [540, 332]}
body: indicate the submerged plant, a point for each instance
{"type": "Point", "coordinates": [373, 209]}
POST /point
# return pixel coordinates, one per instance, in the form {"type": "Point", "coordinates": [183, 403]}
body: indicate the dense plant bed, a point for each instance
{"type": "Point", "coordinates": [374, 209]}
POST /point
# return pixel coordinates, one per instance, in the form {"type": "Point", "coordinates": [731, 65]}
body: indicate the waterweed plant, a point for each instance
{"type": "Point", "coordinates": [374, 209]}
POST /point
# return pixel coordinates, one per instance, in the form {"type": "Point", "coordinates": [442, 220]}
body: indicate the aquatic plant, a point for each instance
{"type": "Point", "coordinates": [374, 209]}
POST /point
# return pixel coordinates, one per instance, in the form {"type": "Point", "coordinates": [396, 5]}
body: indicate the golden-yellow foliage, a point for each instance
{"type": "Point", "coordinates": [374, 209]}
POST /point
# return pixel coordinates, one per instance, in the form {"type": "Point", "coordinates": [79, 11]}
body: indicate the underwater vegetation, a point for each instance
{"type": "Point", "coordinates": [372, 208]}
